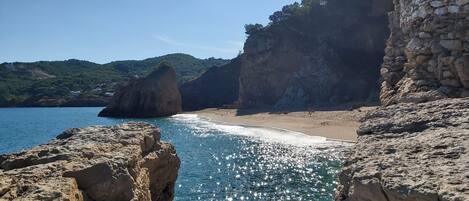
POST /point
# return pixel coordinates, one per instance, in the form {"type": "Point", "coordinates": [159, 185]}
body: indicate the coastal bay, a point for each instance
{"type": "Point", "coordinates": [218, 161]}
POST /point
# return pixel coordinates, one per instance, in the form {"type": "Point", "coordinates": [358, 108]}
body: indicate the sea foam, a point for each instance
{"type": "Point", "coordinates": [264, 134]}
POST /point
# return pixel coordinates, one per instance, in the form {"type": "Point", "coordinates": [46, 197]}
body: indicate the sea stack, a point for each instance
{"type": "Point", "coordinates": [156, 95]}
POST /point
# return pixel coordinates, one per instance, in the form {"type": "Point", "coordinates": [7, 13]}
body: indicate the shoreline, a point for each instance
{"type": "Point", "coordinates": [339, 125]}
{"type": "Point", "coordinates": [273, 128]}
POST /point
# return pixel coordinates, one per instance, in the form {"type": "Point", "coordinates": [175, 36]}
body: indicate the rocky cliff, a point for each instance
{"type": "Point", "coordinates": [318, 53]}
{"type": "Point", "coordinates": [417, 147]}
{"type": "Point", "coordinates": [410, 152]}
{"type": "Point", "coordinates": [124, 162]}
{"type": "Point", "coordinates": [156, 95]}
{"type": "Point", "coordinates": [427, 54]}
{"type": "Point", "coordinates": [216, 87]}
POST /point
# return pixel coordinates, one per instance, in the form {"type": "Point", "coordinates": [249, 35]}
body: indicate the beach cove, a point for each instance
{"type": "Point", "coordinates": [218, 161]}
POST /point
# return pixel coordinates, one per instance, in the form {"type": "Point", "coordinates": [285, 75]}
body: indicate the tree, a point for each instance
{"type": "Point", "coordinates": [253, 28]}
{"type": "Point", "coordinates": [277, 17]}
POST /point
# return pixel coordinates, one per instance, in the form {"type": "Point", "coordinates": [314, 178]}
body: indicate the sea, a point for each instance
{"type": "Point", "coordinates": [218, 161]}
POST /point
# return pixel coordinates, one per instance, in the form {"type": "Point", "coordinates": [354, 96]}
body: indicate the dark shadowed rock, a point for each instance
{"type": "Point", "coordinates": [216, 87]}
{"type": "Point", "coordinates": [322, 53]}
{"type": "Point", "coordinates": [116, 163]}
{"type": "Point", "coordinates": [156, 95]}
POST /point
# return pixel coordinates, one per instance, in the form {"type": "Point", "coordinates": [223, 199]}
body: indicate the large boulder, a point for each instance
{"type": "Point", "coordinates": [117, 163]}
{"type": "Point", "coordinates": [216, 87]}
{"type": "Point", "coordinates": [320, 53]}
{"type": "Point", "coordinates": [156, 95]}
{"type": "Point", "coordinates": [410, 152]}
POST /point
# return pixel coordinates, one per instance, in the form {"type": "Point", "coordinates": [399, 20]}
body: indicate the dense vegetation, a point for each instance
{"type": "Point", "coordinates": [73, 81]}
{"type": "Point", "coordinates": [310, 16]}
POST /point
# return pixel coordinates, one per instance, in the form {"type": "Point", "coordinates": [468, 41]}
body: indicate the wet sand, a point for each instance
{"type": "Point", "coordinates": [334, 125]}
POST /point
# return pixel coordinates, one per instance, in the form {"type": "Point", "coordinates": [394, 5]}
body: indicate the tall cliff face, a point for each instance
{"type": "Point", "coordinates": [216, 87]}
{"type": "Point", "coordinates": [117, 163]}
{"type": "Point", "coordinates": [427, 54]}
{"type": "Point", "coordinates": [319, 53]}
{"type": "Point", "coordinates": [156, 95]}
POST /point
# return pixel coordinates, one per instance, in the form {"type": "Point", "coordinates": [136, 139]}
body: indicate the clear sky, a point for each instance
{"type": "Point", "coordinates": [108, 30]}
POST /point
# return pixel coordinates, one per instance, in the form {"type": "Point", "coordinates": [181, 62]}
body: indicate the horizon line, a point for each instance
{"type": "Point", "coordinates": [61, 60]}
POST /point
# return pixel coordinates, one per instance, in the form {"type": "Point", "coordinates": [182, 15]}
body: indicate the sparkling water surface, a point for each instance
{"type": "Point", "coordinates": [218, 161]}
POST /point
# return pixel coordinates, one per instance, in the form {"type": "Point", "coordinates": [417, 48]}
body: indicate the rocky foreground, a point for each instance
{"type": "Point", "coordinates": [124, 162]}
{"type": "Point", "coordinates": [414, 152]}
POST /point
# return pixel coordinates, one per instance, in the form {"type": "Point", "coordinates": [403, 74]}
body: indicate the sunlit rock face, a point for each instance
{"type": "Point", "coordinates": [410, 152]}
{"type": "Point", "coordinates": [155, 95]}
{"type": "Point", "coordinates": [124, 162]}
{"type": "Point", "coordinates": [321, 53]}
{"type": "Point", "coordinates": [427, 54]}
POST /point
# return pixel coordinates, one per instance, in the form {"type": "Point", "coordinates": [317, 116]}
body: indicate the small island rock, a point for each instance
{"type": "Point", "coordinates": [156, 95]}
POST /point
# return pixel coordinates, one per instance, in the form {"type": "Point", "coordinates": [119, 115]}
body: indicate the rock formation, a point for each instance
{"type": "Point", "coordinates": [156, 95]}
{"type": "Point", "coordinates": [414, 152]}
{"type": "Point", "coordinates": [216, 87]}
{"type": "Point", "coordinates": [319, 53]}
{"type": "Point", "coordinates": [427, 54]}
{"type": "Point", "coordinates": [124, 162]}
{"type": "Point", "coordinates": [417, 148]}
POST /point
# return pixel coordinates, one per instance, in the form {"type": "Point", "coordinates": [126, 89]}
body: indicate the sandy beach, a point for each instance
{"type": "Point", "coordinates": [334, 125]}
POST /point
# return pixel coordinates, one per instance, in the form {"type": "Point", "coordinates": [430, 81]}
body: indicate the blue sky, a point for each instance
{"type": "Point", "coordinates": [108, 30]}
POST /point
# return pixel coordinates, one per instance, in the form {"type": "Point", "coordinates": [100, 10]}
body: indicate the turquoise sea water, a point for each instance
{"type": "Point", "coordinates": [218, 161]}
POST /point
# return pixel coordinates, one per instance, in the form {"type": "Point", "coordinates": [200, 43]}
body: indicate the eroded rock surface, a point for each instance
{"type": "Point", "coordinates": [124, 162]}
{"type": "Point", "coordinates": [410, 152]}
{"type": "Point", "coordinates": [156, 95]}
{"type": "Point", "coordinates": [427, 54]}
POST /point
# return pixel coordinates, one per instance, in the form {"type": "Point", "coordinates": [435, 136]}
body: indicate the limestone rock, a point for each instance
{"type": "Point", "coordinates": [417, 152]}
{"type": "Point", "coordinates": [156, 95]}
{"type": "Point", "coordinates": [217, 87]}
{"type": "Point", "coordinates": [439, 36]}
{"type": "Point", "coordinates": [124, 162]}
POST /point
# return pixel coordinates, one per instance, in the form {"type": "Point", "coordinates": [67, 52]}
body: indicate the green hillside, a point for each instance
{"type": "Point", "coordinates": [82, 83]}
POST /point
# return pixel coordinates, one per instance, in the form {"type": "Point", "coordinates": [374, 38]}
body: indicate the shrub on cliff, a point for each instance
{"type": "Point", "coordinates": [253, 28]}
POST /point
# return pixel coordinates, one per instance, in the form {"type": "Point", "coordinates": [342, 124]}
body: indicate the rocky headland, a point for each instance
{"type": "Point", "coordinates": [123, 162]}
{"type": "Point", "coordinates": [156, 95]}
{"type": "Point", "coordinates": [317, 53]}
